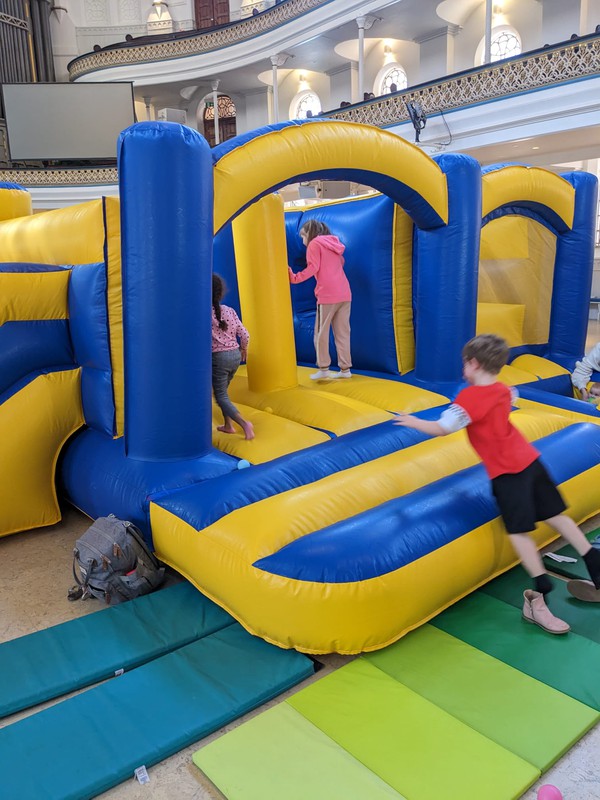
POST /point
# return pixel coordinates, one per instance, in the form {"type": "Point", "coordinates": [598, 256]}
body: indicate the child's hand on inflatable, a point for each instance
{"type": "Point", "coordinates": [584, 394]}
{"type": "Point", "coordinates": [406, 420]}
{"type": "Point", "coordinates": [244, 353]}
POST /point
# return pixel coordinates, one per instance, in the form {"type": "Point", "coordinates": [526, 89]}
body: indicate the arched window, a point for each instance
{"type": "Point", "coordinates": [505, 43]}
{"type": "Point", "coordinates": [393, 73]}
{"type": "Point", "coordinates": [303, 103]}
{"type": "Point", "coordinates": [227, 119]}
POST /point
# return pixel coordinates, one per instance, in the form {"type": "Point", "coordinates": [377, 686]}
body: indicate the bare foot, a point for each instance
{"type": "Point", "coordinates": [248, 429]}
{"type": "Point", "coordinates": [225, 429]}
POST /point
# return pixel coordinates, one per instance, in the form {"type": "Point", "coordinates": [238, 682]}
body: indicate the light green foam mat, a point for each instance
{"type": "Point", "coordinates": [75, 654]}
{"type": "Point", "coordinates": [418, 749]}
{"type": "Point", "coordinates": [85, 745]}
{"type": "Point", "coordinates": [279, 754]}
{"type": "Point", "coordinates": [584, 618]}
{"type": "Point", "coordinates": [527, 717]}
{"type": "Point", "coordinates": [569, 663]}
{"type": "Point", "coordinates": [576, 570]}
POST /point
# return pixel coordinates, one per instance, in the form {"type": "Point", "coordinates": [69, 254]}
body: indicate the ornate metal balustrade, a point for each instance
{"type": "Point", "coordinates": [537, 69]}
{"type": "Point", "coordinates": [82, 176]}
{"type": "Point", "coordinates": [193, 43]}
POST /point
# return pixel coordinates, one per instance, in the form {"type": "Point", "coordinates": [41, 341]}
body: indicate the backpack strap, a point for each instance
{"type": "Point", "coordinates": [139, 537]}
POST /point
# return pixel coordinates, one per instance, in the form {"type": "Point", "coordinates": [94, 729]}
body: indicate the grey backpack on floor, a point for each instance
{"type": "Point", "coordinates": [112, 562]}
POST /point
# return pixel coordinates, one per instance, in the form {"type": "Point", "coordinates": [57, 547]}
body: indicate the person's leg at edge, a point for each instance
{"type": "Point", "coordinates": [588, 591]}
{"type": "Point", "coordinates": [321, 339]}
{"type": "Point", "coordinates": [224, 368]}
{"type": "Point", "coordinates": [535, 609]}
{"type": "Point", "coordinates": [341, 334]}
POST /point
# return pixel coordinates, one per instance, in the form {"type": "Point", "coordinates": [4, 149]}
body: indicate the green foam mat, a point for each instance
{"type": "Point", "coordinates": [527, 717]}
{"type": "Point", "coordinates": [584, 618]}
{"type": "Point", "coordinates": [75, 654]}
{"type": "Point", "coordinates": [415, 747]}
{"type": "Point", "coordinates": [84, 745]}
{"type": "Point", "coordinates": [576, 570]}
{"type": "Point", "coordinates": [279, 754]}
{"type": "Point", "coordinates": [569, 663]}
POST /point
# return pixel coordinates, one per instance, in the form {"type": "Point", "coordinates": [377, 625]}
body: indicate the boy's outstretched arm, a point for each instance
{"type": "Point", "coordinates": [430, 427]}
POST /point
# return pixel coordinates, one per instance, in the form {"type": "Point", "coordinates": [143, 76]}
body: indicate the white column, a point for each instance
{"type": "Point", "coordinates": [360, 21]}
{"type": "Point", "coordinates": [364, 24]}
{"type": "Point", "coordinates": [487, 52]}
{"type": "Point", "coordinates": [147, 101]}
{"type": "Point", "coordinates": [215, 86]}
{"type": "Point", "coordinates": [277, 61]}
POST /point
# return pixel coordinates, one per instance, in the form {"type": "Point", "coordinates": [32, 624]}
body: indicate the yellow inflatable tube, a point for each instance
{"type": "Point", "coordinates": [348, 616]}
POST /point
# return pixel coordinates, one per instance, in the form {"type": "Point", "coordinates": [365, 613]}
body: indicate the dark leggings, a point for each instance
{"type": "Point", "coordinates": [224, 367]}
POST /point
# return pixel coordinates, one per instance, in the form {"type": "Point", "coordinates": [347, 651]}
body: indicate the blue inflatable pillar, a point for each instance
{"type": "Point", "coordinates": [166, 189]}
{"type": "Point", "coordinates": [574, 264]}
{"type": "Point", "coordinates": [445, 277]}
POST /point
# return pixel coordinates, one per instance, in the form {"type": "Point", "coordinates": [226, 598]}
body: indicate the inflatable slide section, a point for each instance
{"type": "Point", "coordinates": [40, 392]}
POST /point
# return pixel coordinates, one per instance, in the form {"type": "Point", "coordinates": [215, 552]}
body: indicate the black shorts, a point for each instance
{"type": "Point", "coordinates": [527, 497]}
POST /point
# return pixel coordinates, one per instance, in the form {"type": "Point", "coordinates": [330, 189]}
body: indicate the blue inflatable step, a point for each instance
{"type": "Point", "coordinates": [75, 654]}
{"type": "Point", "coordinates": [83, 746]}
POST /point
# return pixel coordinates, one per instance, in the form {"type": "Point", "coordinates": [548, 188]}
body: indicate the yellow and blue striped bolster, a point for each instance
{"type": "Point", "coordinates": [203, 504]}
{"type": "Point", "coordinates": [534, 392]}
{"type": "Point", "coordinates": [33, 292]}
{"type": "Point", "coordinates": [397, 533]}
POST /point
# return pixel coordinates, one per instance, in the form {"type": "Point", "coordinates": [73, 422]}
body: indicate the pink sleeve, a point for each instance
{"type": "Point", "coordinates": [241, 333]}
{"type": "Point", "coordinates": [311, 269]}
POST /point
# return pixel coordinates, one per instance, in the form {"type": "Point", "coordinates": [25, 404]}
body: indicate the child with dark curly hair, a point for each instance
{"type": "Point", "coordinates": [229, 348]}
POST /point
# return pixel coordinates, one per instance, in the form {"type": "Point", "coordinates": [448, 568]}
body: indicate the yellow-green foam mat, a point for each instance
{"type": "Point", "coordinates": [90, 742]}
{"type": "Point", "coordinates": [576, 569]}
{"type": "Point", "coordinates": [280, 754]}
{"type": "Point", "coordinates": [418, 749]}
{"type": "Point", "coordinates": [521, 714]}
{"type": "Point", "coordinates": [569, 663]}
{"type": "Point", "coordinates": [584, 618]}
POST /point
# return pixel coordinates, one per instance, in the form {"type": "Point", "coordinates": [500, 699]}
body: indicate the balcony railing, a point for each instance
{"type": "Point", "coordinates": [569, 61]}
{"type": "Point", "coordinates": [537, 69]}
{"type": "Point", "coordinates": [191, 43]}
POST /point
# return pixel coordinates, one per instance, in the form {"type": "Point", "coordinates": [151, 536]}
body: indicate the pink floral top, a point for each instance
{"type": "Point", "coordinates": [228, 339]}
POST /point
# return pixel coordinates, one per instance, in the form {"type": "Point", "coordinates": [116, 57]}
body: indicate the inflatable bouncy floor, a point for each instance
{"type": "Point", "coordinates": [343, 532]}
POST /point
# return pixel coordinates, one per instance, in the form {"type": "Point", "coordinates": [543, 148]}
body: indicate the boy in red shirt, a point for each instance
{"type": "Point", "coordinates": [524, 491]}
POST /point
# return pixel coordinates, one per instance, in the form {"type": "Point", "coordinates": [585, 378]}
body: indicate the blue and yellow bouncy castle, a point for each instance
{"type": "Point", "coordinates": [347, 531]}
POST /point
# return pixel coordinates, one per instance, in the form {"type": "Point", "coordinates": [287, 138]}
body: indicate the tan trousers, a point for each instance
{"type": "Point", "coordinates": [336, 316]}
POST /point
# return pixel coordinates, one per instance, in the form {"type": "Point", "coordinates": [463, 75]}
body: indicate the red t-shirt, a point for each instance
{"type": "Point", "coordinates": [501, 447]}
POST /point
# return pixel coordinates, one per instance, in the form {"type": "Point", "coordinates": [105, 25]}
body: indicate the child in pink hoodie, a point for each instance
{"type": "Point", "coordinates": [325, 261]}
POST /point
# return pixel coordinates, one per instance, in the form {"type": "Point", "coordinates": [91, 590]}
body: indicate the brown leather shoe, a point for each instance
{"type": "Point", "coordinates": [536, 611]}
{"type": "Point", "coordinates": [584, 590]}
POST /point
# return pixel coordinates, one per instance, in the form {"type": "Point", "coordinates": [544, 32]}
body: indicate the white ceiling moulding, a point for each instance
{"type": "Point", "coordinates": [296, 31]}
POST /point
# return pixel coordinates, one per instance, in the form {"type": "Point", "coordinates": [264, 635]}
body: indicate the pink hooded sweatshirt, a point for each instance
{"type": "Point", "coordinates": [325, 261]}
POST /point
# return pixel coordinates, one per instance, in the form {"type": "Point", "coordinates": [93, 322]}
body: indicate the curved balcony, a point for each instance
{"type": "Point", "coordinates": [561, 64]}
{"type": "Point", "coordinates": [537, 69]}
{"type": "Point", "coordinates": [194, 43]}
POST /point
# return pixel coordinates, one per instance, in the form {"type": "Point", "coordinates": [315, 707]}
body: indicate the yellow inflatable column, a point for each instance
{"type": "Point", "coordinates": [261, 259]}
{"type": "Point", "coordinates": [14, 202]}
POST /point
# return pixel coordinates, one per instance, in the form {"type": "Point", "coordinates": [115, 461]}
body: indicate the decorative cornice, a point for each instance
{"type": "Point", "coordinates": [91, 176]}
{"type": "Point", "coordinates": [195, 44]}
{"type": "Point", "coordinates": [447, 30]}
{"type": "Point", "coordinates": [537, 70]}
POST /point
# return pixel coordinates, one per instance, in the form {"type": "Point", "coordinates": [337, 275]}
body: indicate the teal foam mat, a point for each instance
{"type": "Point", "coordinates": [85, 745]}
{"type": "Point", "coordinates": [75, 654]}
